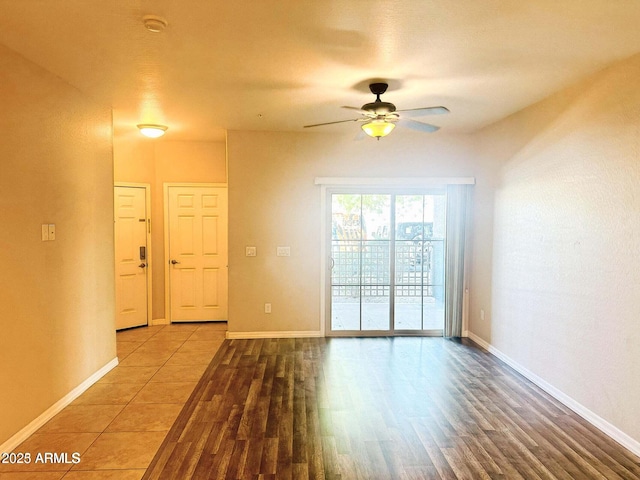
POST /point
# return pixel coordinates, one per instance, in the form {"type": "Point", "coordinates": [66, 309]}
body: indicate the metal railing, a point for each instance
{"type": "Point", "coordinates": [361, 267]}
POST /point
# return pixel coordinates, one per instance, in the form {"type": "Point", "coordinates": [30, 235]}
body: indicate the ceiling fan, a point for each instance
{"type": "Point", "coordinates": [379, 118]}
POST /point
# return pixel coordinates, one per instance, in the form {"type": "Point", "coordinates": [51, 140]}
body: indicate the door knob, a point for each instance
{"type": "Point", "coordinates": [142, 265]}
{"type": "Point", "coordinates": [174, 262]}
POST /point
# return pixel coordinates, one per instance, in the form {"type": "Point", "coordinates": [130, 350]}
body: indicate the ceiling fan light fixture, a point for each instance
{"type": "Point", "coordinates": [378, 128]}
{"type": "Point", "coordinates": [152, 131]}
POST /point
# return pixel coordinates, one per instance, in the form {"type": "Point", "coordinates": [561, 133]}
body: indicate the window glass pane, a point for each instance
{"type": "Point", "coordinates": [346, 262]}
{"type": "Point", "coordinates": [433, 263]}
{"type": "Point", "coordinates": [409, 231]}
{"type": "Point", "coordinates": [408, 307]}
{"type": "Point", "coordinates": [345, 307]}
{"type": "Point", "coordinates": [346, 217]}
{"type": "Point", "coordinates": [346, 252]}
{"type": "Point", "coordinates": [375, 307]}
{"type": "Point", "coordinates": [376, 220]}
{"type": "Point", "coordinates": [376, 217]}
{"type": "Point", "coordinates": [435, 213]}
{"type": "Point", "coordinates": [433, 308]}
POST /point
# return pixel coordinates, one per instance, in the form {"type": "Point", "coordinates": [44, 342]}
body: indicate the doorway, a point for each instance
{"type": "Point", "coordinates": [196, 250]}
{"type": "Point", "coordinates": [386, 262]}
{"type": "Point", "coordinates": [132, 255]}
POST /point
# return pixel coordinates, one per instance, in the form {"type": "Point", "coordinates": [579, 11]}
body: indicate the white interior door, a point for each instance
{"type": "Point", "coordinates": [197, 237]}
{"type": "Point", "coordinates": [131, 252]}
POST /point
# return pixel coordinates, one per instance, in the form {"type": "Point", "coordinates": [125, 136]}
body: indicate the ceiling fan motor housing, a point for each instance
{"type": "Point", "coordinates": [378, 88]}
{"type": "Point", "coordinates": [379, 107]}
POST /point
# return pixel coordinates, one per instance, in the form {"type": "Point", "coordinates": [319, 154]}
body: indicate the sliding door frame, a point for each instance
{"type": "Point", "coordinates": [392, 186]}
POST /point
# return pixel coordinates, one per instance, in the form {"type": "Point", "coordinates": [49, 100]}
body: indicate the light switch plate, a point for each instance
{"type": "Point", "coordinates": [52, 231]}
{"type": "Point", "coordinates": [250, 251]}
{"type": "Point", "coordinates": [283, 251]}
{"type": "Point", "coordinates": [45, 232]}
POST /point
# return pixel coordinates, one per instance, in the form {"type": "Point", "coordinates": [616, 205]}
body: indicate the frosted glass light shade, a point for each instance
{"type": "Point", "coordinates": [152, 131]}
{"type": "Point", "coordinates": [378, 128]}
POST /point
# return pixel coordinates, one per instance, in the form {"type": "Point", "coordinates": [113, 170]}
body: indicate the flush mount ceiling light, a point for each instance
{"type": "Point", "coordinates": [154, 24]}
{"type": "Point", "coordinates": [378, 128]}
{"type": "Point", "coordinates": [151, 130]}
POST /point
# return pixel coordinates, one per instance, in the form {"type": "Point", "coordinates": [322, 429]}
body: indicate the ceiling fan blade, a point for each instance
{"type": "Point", "coordinates": [331, 123]}
{"type": "Point", "coordinates": [416, 112]}
{"type": "Point", "coordinates": [419, 126]}
{"type": "Point", "coordinates": [364, 112]}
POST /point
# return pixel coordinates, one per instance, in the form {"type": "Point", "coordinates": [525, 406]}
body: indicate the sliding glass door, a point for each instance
{"type": "Point", "coordinates": [360, 262]}
{"type": "Point", "coordinates": [387, 262]}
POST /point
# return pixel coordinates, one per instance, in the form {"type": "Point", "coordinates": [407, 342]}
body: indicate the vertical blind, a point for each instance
{"type": "Point", "coordinates": [458, 207]}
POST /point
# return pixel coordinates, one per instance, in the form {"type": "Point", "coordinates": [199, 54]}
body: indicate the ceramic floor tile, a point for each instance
{"type": "Point", "coordinates": [125, 348]}
{"type": "Point", "coordinates": [172, 335]}
{"type": "Point", "coordinates": [135, 428]}
{"type": "Point", "coordinates": [145, 359]}
{"type": "Point", "coordinates": [82, 418]}
{"type": "Point", "coordinates": [108, 394]}
{"type": "Point", "coordinates": [122, 450]}
{"type": "Point", "coordinates": [105, 475]}
{"type": "Point", "coordinates": [210, 346]}
{"type": "Point", "coordinates": [144, 417]}
{"type": "Point", "coordinates": [182, 327]}
{"type": "Point", "coordinates": [165, 393]}
{"type": "Point", "coordinates": [122, 374]}
{"type": "Point", "coordinates": [138, 334]}
{"type": "Point", "coordinates": [192, 358]}
{"type": "Point", "coordinates": [179, 373]}
{"type": "Point", "coordinates": [64, 445]}
{"type": "Point", "coordinates": [208, 334]}
{"type": "Point", "coordinates": [159, 346]}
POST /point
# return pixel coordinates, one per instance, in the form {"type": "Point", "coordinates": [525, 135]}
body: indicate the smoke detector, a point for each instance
{"type": "Point", "coordinates": [154, 23]}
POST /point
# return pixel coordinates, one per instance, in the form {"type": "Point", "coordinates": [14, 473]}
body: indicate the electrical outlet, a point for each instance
{"type": "Point", "coordinates": [267, 308]}
{"type": "Point", "coordinates": [52, 231]}
{"type": "Point", "coordinates": [250, 251]}
{"type": "Point", "coordinates": [283, 251]}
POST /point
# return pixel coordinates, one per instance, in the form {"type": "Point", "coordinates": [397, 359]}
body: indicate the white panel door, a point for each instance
{"type": "Point", "coordinates": [131, 256]}
{"type": "Point", "coordinates": [197, 233]}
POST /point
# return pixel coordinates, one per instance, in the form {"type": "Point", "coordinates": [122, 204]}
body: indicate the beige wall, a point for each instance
{"type": "Point", "coordinates": [159, 161]}
{"type": "Point", "coordinates": [57, 297]}
{"type": "Point", "coordinates": [566, 243]}
{"type": "Point", "coordinates": [273, 201]}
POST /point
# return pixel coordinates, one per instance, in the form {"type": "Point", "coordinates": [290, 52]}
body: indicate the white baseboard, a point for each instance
{"type": "Point", "coordinates": [54, 409]}
{"type": "Point", "coordinates": [290, 334]}
{"type": "Point", "coordinates": [612, 431]}
{"type": "Point", "coordinates": [159, 321]}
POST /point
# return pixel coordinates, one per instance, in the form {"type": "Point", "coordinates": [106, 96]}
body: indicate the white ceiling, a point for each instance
{"type": "Point", "coordinates": [282, 64]}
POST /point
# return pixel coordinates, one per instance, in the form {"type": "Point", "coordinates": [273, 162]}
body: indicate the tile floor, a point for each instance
{"type": "Point", "coordinates": [119, 423]}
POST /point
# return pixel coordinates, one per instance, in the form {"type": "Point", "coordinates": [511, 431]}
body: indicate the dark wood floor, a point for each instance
{"type": "Point", "coordinates": [378, 408]}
